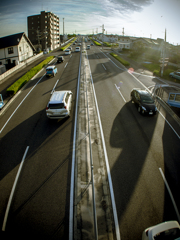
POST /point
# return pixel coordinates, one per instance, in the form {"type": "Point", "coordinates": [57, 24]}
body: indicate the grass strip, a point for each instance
{"type": "Point", "coordinates": [67, 45]}
{"type": "Point", "coordinates": [124, 62]}
{"type": "Point", "coordinates": [12, 90]}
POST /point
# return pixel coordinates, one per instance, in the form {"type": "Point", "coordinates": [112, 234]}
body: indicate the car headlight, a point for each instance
{"type": "Point", "coordinates": [144, 108]}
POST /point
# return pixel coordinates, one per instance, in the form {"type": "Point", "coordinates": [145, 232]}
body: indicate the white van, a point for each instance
{"type": "Point", "coordinates": [77, 49]}
{"type": "Point", "coordinates": [67, 51]}
{"type": "Point", "coordinates": [59, 105]}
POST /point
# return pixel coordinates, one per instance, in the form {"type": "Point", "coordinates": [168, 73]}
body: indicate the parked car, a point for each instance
{"type": "Point", "coordinates": [167, 231]}
{"type": "Point", "coordinates": [67, 51]}
{"type": "Point", "coordinates": [51, 71]}
{"type": "Point", "coordinates": [175, 75]}
{"type": "Point", "coordinates": [92, 44]}
{"type": "Point", "coordinates": [143, 101]}
{"type": "Point", "coordinates": [60, 59]}
{"type": "Point", "coordinates": [59, 105]}
{"type": "Point", "coordinates": [70, 48]}
{"type": "Point", "coordinates": [79, 44]}
{"type": "Point", "coordinates": [88, 47]}
{"type": "Point", "coordinates": [1, 102]}
{"type": "Point", "coordinates": [77, 49]}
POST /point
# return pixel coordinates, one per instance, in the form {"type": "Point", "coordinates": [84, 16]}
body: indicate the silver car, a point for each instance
{"type": "Point", "coordinates": [59, 105]}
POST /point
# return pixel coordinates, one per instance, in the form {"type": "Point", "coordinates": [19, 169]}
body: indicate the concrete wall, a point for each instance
{"type": "Point", "coordinates": [7, 73]}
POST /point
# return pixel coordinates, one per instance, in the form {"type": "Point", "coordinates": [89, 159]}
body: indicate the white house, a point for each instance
{"type": "Point", "coordinates": [107, 38]}
{"type": "Point", "coordinates": [14, 49]}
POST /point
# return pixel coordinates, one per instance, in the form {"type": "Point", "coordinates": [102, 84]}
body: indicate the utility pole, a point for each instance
{"type": "Point", "coordinates": [103, 33]}
{"type": "Point", "coordinates": [63, 29]}
{"type": "Point", "coordinates": [123, 32]}
{"type": "Point", "coordinates": [163, 59]}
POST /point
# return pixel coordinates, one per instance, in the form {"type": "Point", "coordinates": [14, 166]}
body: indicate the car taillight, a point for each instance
{"type": "Point", "coordinates": [65, 107]}
{"type": "Point", "coordinates": [147, 231]}
{"type": "Point", "coordinates": [46, 108]}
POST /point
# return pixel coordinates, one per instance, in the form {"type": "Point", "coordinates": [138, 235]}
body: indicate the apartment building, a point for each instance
{"type": "Point", "coordinates": [43, 30]}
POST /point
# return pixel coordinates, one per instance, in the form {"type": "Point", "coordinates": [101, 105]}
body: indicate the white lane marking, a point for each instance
{"type": "Point", "coordinates": [169, 124]}
{"type": "Point", "coordinates": [103, 66]}
{"type": "Point", "coordinates": [66, 65]}
{"type": "Point", "coordinates": [13, 190]}
{"type": "Point", "coordinates": [149, 92]}
{"type": "Point", "coordinates": [170, 193]}
{"type": "Point", "coordinates": [107, 164]}
{"type": "Point", "coordinates": [54, 86]}
{"type": "Point", "coordinates": [120, 93]}
{"type": "Point", "coordinates": [20, 104]}
{"type": "Point", "coordinates": [71, 205]}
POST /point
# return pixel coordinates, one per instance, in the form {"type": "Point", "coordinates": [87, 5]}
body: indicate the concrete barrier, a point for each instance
{"type": "Point", "coordinates": [26, 62]}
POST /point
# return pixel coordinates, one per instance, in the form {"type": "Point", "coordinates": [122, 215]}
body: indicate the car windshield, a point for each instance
{"type": "Point", "coordinates": [171, 234]}
{"type": "Point", "coordinates": [49, 69]}
{"type": "Point", "coordinates": [147, 99]}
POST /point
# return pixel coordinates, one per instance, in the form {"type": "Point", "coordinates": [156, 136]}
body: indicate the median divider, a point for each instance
{"type": "Point", "coordinates": [124, 62]}
{"type": "Point", "coordinates": [12, 90]}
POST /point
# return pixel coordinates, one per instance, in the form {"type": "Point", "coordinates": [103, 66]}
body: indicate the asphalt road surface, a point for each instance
{"type": "Point", "coordinates": [140, 148]}
{"type": "Point", "coordinates": [40, 205]}
{"type": "Point", "coordinates": [141, 151]}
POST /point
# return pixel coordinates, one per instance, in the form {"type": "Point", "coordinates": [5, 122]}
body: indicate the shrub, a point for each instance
{"type": "Point", "coordinates": [124, 62]}
{"type": "Point", "coordinates": [67, 45]}
{"type": "Point", "coordinates": [12, 90]}
{"type": "Point", "coordinates": [107, 44]}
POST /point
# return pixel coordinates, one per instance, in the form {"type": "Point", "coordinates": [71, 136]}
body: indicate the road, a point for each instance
{"type": "Point", "coordinates": [40, 205]}
{"type": "Point", "coordinates": [139, 148]}
{"type": "Point", "coordinates": [141, 151]}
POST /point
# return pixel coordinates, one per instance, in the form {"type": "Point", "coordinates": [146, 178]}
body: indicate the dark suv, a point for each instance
{"type": "Point", "coordinates": [143, 101]}
{"type": "Point", "coordinates": [60, 59]}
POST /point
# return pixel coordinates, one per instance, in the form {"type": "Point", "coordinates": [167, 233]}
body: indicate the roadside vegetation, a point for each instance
{"type": "Point", "coordinates": [149, 59]}
{"type": "Point", "coordinates": [12, 90]}
{"type": "Point", "coordinates": [67, 45]}
{"type": "Point", "coordinates": [95, 42]}
{"type": "Point", "coordinates": [124, 62]}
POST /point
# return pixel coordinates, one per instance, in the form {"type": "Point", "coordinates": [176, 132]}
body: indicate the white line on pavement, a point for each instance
{"type": "Point", "coordinates": [103, 66]}
{"type": "Point", "coordinates": [13, 190]}
{"type": "Point", "coordinates": [71, 205]}
{"type": "Point", "coordinates": [170, 193]}
{"type": "Point", "coordinates": [120, 93]}
{"type": "Point", "coordinates": [54, 86]}
{"type": "Point", "coordinates": [149, 92]}
{"type": "Point", "coordinates": [20, 104]}
{"type": "Point", "coordinates": [107, 165]}
{"type": "Point", "coordinates": [66, 65]}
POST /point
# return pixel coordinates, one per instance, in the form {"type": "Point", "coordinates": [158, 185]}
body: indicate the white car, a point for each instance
{"type": "Point", "coordinates": [88, 47]}
{"type": "Point", "coordinates": [167, 231]}
{"type": "Point", "coordinates": [77, 49]}
{"type": "Point", "coordinates": [67, 51]}
{"type": "Point", "coordinates": [59, 105]}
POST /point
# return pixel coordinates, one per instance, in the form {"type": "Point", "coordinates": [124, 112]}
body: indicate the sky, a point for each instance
{"type": "Point", "coordinates": [139, 18]}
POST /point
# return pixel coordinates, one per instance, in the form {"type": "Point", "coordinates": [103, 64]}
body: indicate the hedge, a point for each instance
{"type": "Point", "coordinates": [107, 44]}
{"type": "Point", "coordinates": [12, 90]}
{"type": "Point", "coordinates": [124, 62]}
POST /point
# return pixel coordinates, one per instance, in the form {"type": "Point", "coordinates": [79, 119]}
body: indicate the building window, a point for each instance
{"type": "Point", "coordinates": [20, 49]}
{"type": "Point", "coordinates": [10, 50]}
